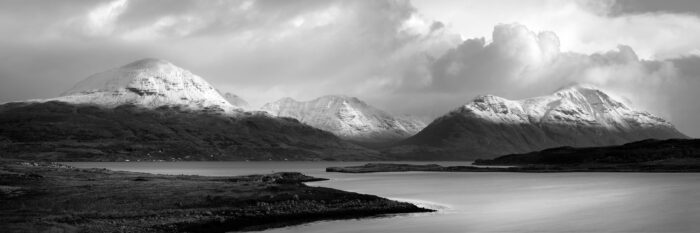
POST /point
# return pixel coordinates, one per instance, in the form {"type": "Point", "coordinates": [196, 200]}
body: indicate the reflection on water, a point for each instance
{"type": "Point", "coordinates": [491, 202]}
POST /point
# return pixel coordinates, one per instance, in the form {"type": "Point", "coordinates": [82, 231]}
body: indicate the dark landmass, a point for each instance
{"type": "Point", "coordinates": [51, 197]}
{"type": "Point", "coordinates": [398, 167]}
{"type": "Point", "coordinates": [394, 167]}
{"type": "Point", "coordinates": [57, 131]}
{"type": "Point", "coordinates": [672, 154]}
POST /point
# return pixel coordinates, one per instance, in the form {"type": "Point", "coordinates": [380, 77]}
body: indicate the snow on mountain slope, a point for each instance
{"type": "Point", "coordinates": [141, 118]}
{"type": "Point", "coordinates": [236, 100]}
{"type": "Point", "coordinates": [149, 83]}
{"type": "Point", "coordinates": [347, 117]}
{"type": "Point", "coordinates": [580, 115]}
{"type": "Point", "coordinates": [580, 105]}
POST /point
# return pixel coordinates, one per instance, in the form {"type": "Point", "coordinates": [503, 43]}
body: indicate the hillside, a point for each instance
{"type": "Point", "coordinates": [647, 152]}
{"type": "Point", "coordinates": [58, 131]}
{"type": "Point", "coordinates": [348, 118]}
{"type": "Point", "coordinates": [489, 126]}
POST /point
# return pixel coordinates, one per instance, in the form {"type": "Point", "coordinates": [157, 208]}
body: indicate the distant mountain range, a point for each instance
{"type": "Point", "coordinates": [348, 118]}
{"type": "Point", "coordinates": [153, 110]}
{"type": "Point", "coordinates": [580, 116]}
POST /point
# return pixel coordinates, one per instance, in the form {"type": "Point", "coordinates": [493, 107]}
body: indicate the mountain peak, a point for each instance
{"type": "Point", "coordinates": [577, 115]}
{"type": "Point", "coordinates": [574, 105]}
{"type": "Point", "coordinates": [148, 83]}
{"type": "Point", "coordinates": [578, 87]}
{"type": "Point", "coordinates": [593, 96]}
{"type": "Point", "coordinates": [339, 98]}
{"type": "Point", "coordinates": [347, 117]}
{"type": "Point", "coordinates": [149, 63]}
{"type": "Point", "coordinates": [488, 99]}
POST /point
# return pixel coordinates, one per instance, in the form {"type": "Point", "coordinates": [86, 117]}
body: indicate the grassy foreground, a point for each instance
{"type": "Point", "coordinates": [51, 197]}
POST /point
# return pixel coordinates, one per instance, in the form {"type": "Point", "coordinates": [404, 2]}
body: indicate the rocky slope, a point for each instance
{"type": "Point", "coordinates": [347, 117]}
{"type": "Point", "coordinates": [579, 116]}
{"type": "Point", "coordinates": [148, 83]}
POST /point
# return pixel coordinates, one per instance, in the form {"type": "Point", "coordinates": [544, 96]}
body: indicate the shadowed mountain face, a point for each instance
{"type": "Point", "coordinates": [60, 131]}
{"type": "Point", "coordinates": [489, 126]}
{"type": "Point", "coordinates": [347, 117]}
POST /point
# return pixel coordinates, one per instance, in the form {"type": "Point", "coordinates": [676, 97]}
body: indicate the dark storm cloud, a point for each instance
{"type": "Point", "coordinates": [656, 6]}
{"type": "Point", "coordinates": [688, 67]}
{"type": "Point", "coordinates": [683, 95]}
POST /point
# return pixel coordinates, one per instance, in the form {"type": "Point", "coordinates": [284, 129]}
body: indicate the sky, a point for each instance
{"type": "Point", "coordinates": [420, 57]}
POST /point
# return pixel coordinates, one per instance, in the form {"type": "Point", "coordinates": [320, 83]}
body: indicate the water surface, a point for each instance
{"type": "Point", "coordinates": [488, 202]}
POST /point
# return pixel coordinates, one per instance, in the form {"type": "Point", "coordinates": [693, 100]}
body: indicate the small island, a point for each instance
{"type": "Point", "coordinates": [52, 197]}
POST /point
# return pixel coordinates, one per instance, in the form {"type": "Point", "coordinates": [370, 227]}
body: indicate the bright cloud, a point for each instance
{"type": "Point", "coordinates": [100, 21]}
{"type": "Point", "coordinates": [587, 26]}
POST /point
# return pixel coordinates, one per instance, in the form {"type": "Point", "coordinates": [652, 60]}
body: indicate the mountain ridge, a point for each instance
{"type": "Point", "coordinates": [153, 110]}
{"type": "Point", "coordinates": [347, 117]}
{"type": "Point", "coordinates": [580, 115]}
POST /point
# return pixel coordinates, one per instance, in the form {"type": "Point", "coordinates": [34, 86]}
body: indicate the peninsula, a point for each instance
{"type": "Point", "coordinates": [52, 197]}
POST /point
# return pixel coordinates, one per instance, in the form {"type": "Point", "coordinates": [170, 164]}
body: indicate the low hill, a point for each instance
{"type": "Point", "coordinates": [647, 152]}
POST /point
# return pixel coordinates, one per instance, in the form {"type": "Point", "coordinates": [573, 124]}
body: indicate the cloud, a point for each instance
{"type": "Point", "coordinates": [587, 26]}
{"type": "Point", "coordinates": [653, 6]}
{"type": "Point", "coordinates": [521, 63]}
{"type": "Point", "coordinates": [279, 48]}
{"type": "Point", "coordinates": [514, 50]}
{"type": "Point", "coordinates": [418, 57]}
{"type": "Point", "coordinates": [101, 20]}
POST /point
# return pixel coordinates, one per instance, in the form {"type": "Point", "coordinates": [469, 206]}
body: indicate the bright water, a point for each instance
{"type": "Point", "coordinates": [488, 202]}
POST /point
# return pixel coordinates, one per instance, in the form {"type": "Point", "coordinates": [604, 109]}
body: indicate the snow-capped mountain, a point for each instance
{"type": "Point", "coordinates": [347, 117]}
{"type": "Point", "coordinates": [149, 83]}
{"type": "Point", "coordinates": [141, 119]}
{"type": "Point", "coordinates": [578, 116]}
{"type": "Point", "coordinates": [236, 100]}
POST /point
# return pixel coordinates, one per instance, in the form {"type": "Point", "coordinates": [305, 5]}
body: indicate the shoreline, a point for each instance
{"type": "Point", "coordinates": [39, 196]}
{"type": "Point", "coordinates": [395, 167]}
